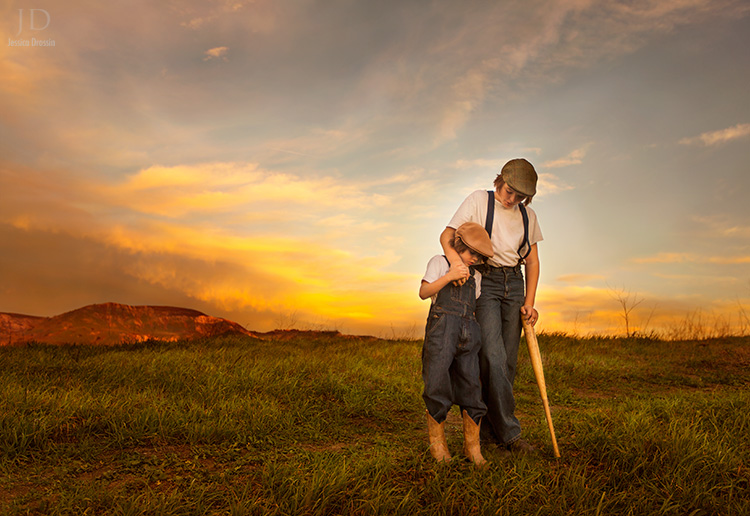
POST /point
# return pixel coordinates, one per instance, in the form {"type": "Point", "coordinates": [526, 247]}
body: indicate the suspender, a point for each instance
{"type": "Point", "coordinates": [525, 241]}
{"type": "Point", "coordinates": [491, 218]}
{"type": "Point", "coordinates": [490, 212]}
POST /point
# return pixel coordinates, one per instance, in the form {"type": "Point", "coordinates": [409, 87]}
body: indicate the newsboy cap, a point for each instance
{"type": "Point", "coordinates": [476, 238]}
{"type": "Point", "coordinates": [520, 175]}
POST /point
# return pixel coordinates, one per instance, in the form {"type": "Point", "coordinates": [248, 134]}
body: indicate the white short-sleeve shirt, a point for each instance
{"type": "Point", "coordinates": [507, 226]}
{"type": "Point", "coordinates": [438, 267]}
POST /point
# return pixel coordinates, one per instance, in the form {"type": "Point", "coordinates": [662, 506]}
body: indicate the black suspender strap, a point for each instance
{"type": "Point", "coordinates": [525, 241]}
{"type": "Point", "coordinates": [490, 212]}
{"type": "Point", "coordinates": [491, 218]}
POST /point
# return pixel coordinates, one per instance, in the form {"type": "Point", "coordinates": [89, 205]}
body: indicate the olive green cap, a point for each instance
{"type": "Point", "coordinates": [520, 175]}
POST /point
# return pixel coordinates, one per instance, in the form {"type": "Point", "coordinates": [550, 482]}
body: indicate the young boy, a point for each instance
{"type": "Point", "coordinates": [450, 355]}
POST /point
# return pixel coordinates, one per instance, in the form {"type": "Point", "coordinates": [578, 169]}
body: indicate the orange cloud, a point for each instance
{"type": "Point", "coordinates": [283, 275]}
{"type": "Point", "coordinates": [692, 258]}
{"type": "Point", "coordinates": [216, 53]}
{"type": "Point", "coordinates": [580, 278]}
{"type": "Point", "coordinates": [221, 187]}
{"type": "Point", "coordinates": [252, 267]}
{"type": "Point", "coordinates": [719, 137]}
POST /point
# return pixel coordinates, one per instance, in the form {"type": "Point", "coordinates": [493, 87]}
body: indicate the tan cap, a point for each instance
{"type": "Point", "coordinates": [476, 238]}
{"type": "Point", "coordinates": [520, 175]}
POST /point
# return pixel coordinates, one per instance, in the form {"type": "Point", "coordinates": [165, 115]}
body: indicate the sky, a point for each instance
{"type": "Point", "coordinates": [292, 163]}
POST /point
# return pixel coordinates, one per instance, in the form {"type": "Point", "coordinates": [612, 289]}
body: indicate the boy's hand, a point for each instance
{"type": "Point", "coordinates": [529, 313]}
{"type": "Point", "coordinates": [459, 273]}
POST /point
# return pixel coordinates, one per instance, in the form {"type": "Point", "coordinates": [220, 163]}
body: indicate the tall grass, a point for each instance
{"type": "Point", "coordinates": [335, 426]}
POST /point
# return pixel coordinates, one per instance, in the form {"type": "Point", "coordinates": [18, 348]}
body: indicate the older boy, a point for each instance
{"type": "Point", "coordinates": [514, 231]}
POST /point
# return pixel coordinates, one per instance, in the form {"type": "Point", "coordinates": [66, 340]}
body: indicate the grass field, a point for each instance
{"type": "Point", "coordinates": [335, 426]}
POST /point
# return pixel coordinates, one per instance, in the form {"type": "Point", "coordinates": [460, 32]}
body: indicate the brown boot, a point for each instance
{"type": "Point", "coordinates": [521, 447]}
{"type": "Point", "coordinates": [438, 444]}
{"type": "Point", "coordinates": [471, 442]}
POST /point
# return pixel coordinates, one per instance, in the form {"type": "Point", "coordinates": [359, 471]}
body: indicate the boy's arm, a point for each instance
{"type": "Point", "coordinates": [446, 238]}
{"type": "Point", "coordinates": [532, 280]}
{"type": "Point", "coordinates": [427, 289]}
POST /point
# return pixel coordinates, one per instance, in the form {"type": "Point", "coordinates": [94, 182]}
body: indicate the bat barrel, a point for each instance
{"type": "Point", "coordinates": [536, 364]}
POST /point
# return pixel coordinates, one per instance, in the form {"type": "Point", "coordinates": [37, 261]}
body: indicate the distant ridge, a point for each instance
{"type": "Point", "coordinates": [310, 334]}
{"type": "Point", "coordinates": [112, 324]}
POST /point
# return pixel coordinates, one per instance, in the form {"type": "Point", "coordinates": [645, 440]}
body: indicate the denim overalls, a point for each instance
{"type": "Point", "coordinates": [450, 355]}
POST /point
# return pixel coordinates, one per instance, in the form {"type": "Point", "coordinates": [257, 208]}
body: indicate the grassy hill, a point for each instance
{"type": "Point", "coordinates": [325, 425]}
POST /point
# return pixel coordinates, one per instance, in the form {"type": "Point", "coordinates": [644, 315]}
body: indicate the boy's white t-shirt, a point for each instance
{"type": "Point", "coordinates": [507, 226]}
{"type": "Point", "coordinates": [438, 267]}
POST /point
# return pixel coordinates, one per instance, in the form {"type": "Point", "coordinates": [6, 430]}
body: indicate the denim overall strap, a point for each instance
{"type": "Point", "coordinates": [457, 299]}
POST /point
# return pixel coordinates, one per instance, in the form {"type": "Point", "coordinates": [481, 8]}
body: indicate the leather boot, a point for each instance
{"type": "Point", "coordinates": [438, 444]}
{"type": "Point", "coordinates": [471, 442]}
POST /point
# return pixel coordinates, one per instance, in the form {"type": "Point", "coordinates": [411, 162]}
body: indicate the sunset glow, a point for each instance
{"type": "Point", "coordinates": [293, 164]}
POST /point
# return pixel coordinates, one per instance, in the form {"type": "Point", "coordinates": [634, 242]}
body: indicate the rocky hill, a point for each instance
{"type": "Point", "coordinates": [112, 323]}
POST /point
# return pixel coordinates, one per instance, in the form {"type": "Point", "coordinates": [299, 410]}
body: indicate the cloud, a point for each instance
{"type": "Point", "coordinates": [692, 258]}
{"type": "Point", "coordinates": [467, 95]}
{"type": "Point", "coordinates": [575, 157]}
{"type": "Point", "coordinates": [232, 198]}
{"type": "Point", "coordinates": [550, 184]}
{"type": "Point", "coordinates": [720, 137]}
{"type": "Point", "coordinates": [254, 282]}
{"type": "Point", "coordinates": [156, 262]}
{"type": "Point", "coordinates": [580, 278]}
{"type": "Point", "coordinates": [256, 16]}
{"type": "Point", "coordinates": [494, 164]}
{"type": "Point", "coordinates": [215, 188]}
{"type": "Point", "coordinates": [721, 227]}
{"type": "Point", "coordinates": [216, 53]}
{"type": "Point", "coordinates": [399, 79]}
{"type": "Point", "coordinates": [316, 144]}
{"type": "Point", "coordinates": [325, 265]}
{"type": "Point", "coordinates": [505, 51]}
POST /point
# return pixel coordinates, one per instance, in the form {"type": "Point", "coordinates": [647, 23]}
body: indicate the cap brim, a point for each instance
{"type": "Point", "coordinates": [480, 253]}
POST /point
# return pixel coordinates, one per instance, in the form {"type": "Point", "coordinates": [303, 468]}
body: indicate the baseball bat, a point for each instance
{"type": "Point", "coordinates": [536, 364]}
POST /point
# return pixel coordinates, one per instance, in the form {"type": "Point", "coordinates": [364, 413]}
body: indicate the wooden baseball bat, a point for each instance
{"type": "Point", "coordinates": [536, 364]}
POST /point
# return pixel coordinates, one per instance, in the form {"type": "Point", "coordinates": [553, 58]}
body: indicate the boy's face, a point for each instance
{"type": "Point", "coordinates": [470, 257]}
{"type": "Point", "coordinates": [509, 197]}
